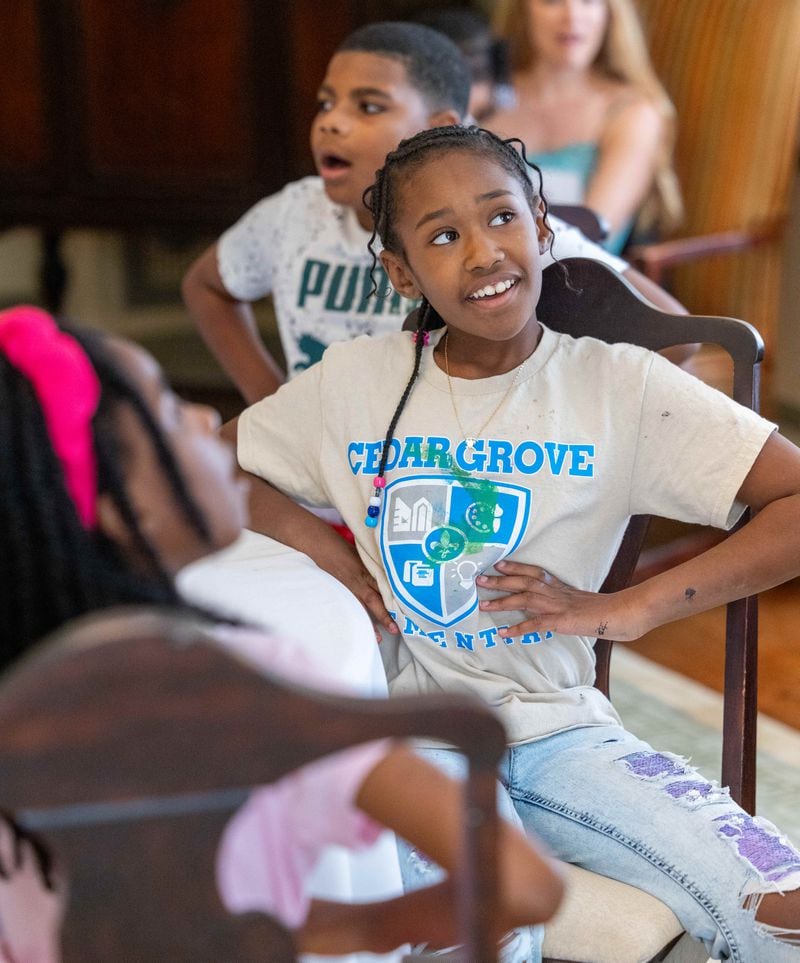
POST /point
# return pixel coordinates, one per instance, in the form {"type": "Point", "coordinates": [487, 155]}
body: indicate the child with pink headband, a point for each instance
{"type": "Point", "coordinates": [110, 484]}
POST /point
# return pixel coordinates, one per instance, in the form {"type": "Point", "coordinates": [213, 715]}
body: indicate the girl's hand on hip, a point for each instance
{"type": "Point", "coordinates": [345, 565]}
{"type": "Point", "coordinates": [365, 589]}
{"type": "Point", "coordinates": [552, 605]}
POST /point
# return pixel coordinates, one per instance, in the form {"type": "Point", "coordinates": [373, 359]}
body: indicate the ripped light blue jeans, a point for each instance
{"type": "Point", "coordinates": [603, 799]}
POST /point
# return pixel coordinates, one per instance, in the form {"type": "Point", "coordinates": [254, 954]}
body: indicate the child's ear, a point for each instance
{"type": "Point", "coordinates": [543, 232]}
{"type": "Point", "coordinates": [111, 523]}
{"type": "Point", "coordinates": [444, 118]}
{"type": "Point", "coordinates": [400, 275]}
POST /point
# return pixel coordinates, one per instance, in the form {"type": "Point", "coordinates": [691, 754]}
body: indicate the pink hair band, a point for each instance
{"type": "Point", "coordinates": [68, 390]}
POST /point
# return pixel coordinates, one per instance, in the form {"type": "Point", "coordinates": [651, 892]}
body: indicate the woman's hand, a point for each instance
{"type": "Point", "coordinates": [554, 606]}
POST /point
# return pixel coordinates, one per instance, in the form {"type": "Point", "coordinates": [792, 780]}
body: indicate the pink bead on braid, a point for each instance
{"type": "Point", "coordinates": [68, 391]}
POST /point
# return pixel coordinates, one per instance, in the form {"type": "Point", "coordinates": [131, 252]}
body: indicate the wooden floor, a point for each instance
{"type": "Point", "coordinates": [694, 648]}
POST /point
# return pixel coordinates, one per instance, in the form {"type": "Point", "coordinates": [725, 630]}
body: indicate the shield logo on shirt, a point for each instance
{"type": "Point", "coordinates": [440, 532]}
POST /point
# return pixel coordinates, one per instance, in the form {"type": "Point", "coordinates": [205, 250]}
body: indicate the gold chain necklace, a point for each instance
{"type": "Point", "coordinates": [472, 439]}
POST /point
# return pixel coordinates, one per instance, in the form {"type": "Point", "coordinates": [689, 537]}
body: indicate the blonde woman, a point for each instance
{"type": "Point", "coordinates": [591, 109]}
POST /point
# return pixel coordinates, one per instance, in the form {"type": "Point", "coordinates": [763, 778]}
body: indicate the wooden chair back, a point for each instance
{"type": "Point", "coordinates": [597, 302]}
{"type": "Point", "coordinates": [732, 69]}
{"type": "Point", "coordinates": [130, 737]}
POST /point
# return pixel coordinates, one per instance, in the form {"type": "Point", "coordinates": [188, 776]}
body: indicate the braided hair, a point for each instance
{"type": "Point", "coordinates": [51, 567]}
{"type": "Point", "coordinates": [381, 200]}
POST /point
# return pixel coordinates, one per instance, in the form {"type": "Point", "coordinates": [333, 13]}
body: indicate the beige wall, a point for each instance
{"type": "Point", "coordinates": [96, 293]}
{"type": "Point", "coordinates": [19, 253]}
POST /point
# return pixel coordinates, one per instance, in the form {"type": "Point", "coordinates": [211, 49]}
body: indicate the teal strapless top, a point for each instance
{"type": "Point", "coordinates": [565, 174]}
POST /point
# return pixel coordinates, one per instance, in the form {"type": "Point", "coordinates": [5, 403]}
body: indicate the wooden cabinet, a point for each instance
{"type": "Point", "coordinates": [157, 113]}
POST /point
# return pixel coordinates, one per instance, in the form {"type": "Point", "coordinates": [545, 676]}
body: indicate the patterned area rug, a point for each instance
{"type": "Point", "coordinates": [679, 715]}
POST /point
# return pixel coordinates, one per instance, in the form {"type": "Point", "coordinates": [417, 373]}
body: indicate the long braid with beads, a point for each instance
{"type": "Point", "coordinates": [421, 339]}
{"type": "Point", "coordinates": [380, 199]}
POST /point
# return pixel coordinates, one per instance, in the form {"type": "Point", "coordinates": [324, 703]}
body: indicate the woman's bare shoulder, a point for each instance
{"type": "Point", "coordinates": [631, 113]}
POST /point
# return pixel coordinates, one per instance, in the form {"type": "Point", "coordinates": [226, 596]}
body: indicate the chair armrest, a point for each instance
{"type": "Point", "coordinates": [654, 259]}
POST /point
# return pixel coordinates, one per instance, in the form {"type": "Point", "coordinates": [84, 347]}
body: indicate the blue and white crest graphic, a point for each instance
{"type": "Point", "coordinates": [440, 532]}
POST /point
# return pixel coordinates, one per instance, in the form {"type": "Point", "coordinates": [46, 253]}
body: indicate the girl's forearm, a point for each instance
{"type": "Point", "coordinates": [274, 514]}
{"type": "Point", "coordinates": [762, 554]}
{"type": "Point", "coordinates": [424, 916]}
{"type": "Point", "coordinates": [425, 807]}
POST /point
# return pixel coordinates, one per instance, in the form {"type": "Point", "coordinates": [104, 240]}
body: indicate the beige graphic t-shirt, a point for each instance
{"type": "Point", "coordinates": [589, 435]}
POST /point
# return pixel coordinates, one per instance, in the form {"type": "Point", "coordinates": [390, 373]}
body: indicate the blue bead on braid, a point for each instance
{"type": "Point", "coordinates": [374, 508]}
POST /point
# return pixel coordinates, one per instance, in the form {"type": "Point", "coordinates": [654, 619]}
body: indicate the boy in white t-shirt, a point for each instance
{"type": "Point", "coordinates": [307, 244]}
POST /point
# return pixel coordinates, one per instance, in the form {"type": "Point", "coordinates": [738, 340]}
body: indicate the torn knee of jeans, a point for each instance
{"type": "Point", "coordinates": [677, 778]}
{"type": "Point", "coordinates": [782, 934]}
{"type": "Point", "coordinates": [779, 933]}
{"type": "Point", "coordinates": [775, 862]}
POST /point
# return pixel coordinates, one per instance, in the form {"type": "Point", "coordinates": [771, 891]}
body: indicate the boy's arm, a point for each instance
{"type": "Point", "coordinates": [274, 514]}
{"type": "Point", "coordinates": [760, 555]}
{"type": "Point", "coordinates": [229, 329]}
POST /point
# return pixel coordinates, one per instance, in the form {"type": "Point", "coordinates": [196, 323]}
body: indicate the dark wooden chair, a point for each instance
{"type": "Point", "coordinates": [129, 738]}
{"type": "Point", "coordinates": [600, 303]}
{"type": "Point", "coordinates": [670, 543]}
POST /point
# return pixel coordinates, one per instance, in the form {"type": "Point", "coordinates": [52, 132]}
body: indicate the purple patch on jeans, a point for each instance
{"type": "Point", "coordinates": [691, 787]}
{"type": "Point", "coordinates": [774, 857]}
{"type": "Point", "coordinates": [651, 765]}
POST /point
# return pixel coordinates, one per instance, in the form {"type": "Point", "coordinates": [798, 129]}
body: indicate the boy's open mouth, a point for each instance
{"type": "Point", "coordinates": [332, 164]}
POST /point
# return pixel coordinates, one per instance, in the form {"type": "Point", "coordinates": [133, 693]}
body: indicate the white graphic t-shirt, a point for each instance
{"type": "Point", "coordinates": [312, 256]}
{"type": "Point", "coordinates": [558, 471]}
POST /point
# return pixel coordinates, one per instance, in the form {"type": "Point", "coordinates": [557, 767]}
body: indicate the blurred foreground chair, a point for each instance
{"type": "Point", "coordinates": [129, 738]}
{"type": "Point", "coordinates": [732, 68]}
{"type": "Point", "coordinates": [601, 920]}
